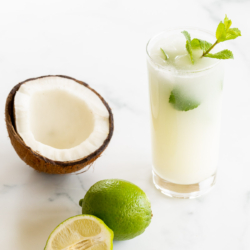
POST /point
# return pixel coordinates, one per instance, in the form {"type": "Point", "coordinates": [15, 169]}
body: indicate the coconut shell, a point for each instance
{"type": "Point", "coordinates": [37, 161]}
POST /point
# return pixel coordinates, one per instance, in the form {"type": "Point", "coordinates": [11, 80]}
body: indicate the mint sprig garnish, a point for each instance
{"type": "Point", "coordinates": [188, 45]}
{"type": "Point", "coordinates": [181, 102]}
{"type": "Point", "coordinates": [223, 33]}
{"type": "Point", "coordinates": [164, 54]}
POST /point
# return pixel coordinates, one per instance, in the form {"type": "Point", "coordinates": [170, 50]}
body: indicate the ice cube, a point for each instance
{"type": "Point", "coordinates": [183, 61]}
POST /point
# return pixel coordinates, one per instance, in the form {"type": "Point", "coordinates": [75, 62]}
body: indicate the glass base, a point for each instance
{"type": "Point", "coordinates": [184, 191]}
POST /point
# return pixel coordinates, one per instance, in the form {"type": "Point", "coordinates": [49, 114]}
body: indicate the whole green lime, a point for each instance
{"type": "Point", "coordinates": [123, 206]}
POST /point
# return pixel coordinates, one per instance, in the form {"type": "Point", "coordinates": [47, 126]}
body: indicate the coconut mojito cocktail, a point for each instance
{"type": "Point", "coordinates": [185, 84]}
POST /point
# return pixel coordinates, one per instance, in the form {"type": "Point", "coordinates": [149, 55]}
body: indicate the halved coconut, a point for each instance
{"type": "Point", "coordinates": [58, 124]}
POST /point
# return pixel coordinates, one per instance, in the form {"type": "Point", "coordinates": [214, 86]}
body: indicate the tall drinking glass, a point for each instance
{"type": "Point", "coordinates": [185, 105]}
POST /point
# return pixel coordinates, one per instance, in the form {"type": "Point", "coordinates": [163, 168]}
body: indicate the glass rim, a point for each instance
{"type": "Point", "coordinates": [181, 70]}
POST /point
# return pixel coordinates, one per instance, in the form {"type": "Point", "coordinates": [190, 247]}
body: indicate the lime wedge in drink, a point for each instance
{"type": "Point", "coordinates": [81, 232]}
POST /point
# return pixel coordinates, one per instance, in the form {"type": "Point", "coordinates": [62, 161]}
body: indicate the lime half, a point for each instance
{"type": "Point", "coordinates": [81, 232]}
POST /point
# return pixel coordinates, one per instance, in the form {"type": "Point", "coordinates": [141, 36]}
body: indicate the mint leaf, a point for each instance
{"type": "Point", "coordinates": [188, 45]}
{"type": "Point", "coordinates": [187, 36]}
{"type": "Point", "coordinates": [224, 54]}
{"type": "Point", "coordinates": [233, 33]}
{"type": "Point", "coordinates": [181, 102]}
{"type": "Point", "coordinates": [200, 44]}
{"type": "Point", "coordinates": [195, 43]}
{"type": "Point", "coordinates": [227, 23]}
{"type": "Point", "coordinates": [164, 54]}
{"type": "Point", "coordinates": [221, 32]}
{"type": "Point", "coordinates": [224, 33]}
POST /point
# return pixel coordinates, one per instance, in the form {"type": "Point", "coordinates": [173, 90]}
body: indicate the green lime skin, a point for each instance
{"type": "Point", "coordinates": [123, 206]}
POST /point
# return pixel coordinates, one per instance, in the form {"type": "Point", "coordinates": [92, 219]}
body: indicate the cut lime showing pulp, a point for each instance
{"type": "Point", "coordinates": [81, 232]}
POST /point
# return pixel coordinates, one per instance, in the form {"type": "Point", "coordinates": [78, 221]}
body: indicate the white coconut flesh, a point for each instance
{"type": "Point", "coordinates": [60, 119]}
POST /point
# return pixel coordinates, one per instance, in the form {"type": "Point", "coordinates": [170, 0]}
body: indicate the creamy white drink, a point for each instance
{"type": "Point", "coordinates": [185, 101]}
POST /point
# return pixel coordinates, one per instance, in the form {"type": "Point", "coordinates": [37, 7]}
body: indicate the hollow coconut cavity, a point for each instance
{"type": "Point", "coordinates": [58, 124]}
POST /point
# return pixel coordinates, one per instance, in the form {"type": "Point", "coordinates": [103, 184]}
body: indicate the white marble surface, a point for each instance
{"type": "Point", "coordinates": [103, 42]}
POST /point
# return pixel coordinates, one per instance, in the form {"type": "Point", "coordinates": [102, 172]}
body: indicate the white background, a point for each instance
{"type": "Point", "coordinates": [102, 42]}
